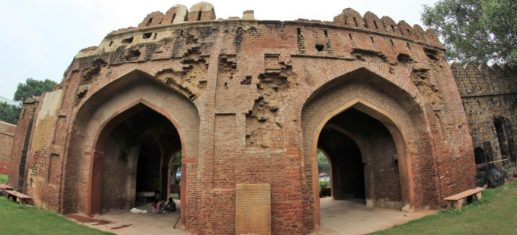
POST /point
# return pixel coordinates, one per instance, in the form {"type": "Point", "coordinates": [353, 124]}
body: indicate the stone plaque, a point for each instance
{"type": "Point", "coordinates": [253, 209]}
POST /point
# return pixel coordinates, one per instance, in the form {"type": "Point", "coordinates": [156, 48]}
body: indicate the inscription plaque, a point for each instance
{"type": "Point", "coordinates": [253, 209]}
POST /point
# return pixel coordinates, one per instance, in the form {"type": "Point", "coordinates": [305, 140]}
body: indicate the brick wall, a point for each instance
{"type": "Point", "coordinates": [43, 163]}
{"type": "Point", "coordinates": [248, 99]}
{"type": "Point", "coordinates": [6, 142]}
{"type": "Point", "coordinates": [489, 95]}
{"type": "Point", "coordinates": [21, 141]}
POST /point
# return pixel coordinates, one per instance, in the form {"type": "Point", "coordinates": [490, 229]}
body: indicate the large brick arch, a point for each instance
{"type": "Point", "coordinates": [102, 111]}
{"type": "Point", "coordinates": [394, 107]}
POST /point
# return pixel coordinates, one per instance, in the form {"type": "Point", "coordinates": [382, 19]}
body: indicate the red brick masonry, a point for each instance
{"type": "Point", "coordinates": [248, 100]}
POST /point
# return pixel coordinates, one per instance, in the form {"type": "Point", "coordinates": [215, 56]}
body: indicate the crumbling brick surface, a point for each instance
{"type": "Point", "coordinates": [248, 99]}
{"type": "Point", "coordinates": [20, 145]}
{"type": "Point", "coordinates": [489, 96]}
{"type": "Point", "coordinates": [7, 131]}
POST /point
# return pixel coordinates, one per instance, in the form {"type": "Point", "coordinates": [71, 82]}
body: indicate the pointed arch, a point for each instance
{"type": "Point", "coordinates": [102, 111]}
{"type": "Point", "coordinates": [396, 108]}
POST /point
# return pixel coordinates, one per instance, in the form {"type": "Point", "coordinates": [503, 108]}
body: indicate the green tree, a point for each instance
{"type": "Point", "coordinates": [32, 88]}
{"type": "Point", "coordinates": [475, 30]}
{"type": "Point", "coordinates": [176, 164]}
{"type": "Point", "coordinates": [9, 113]}
{"type": "Point", "coordinates": [323, 163]}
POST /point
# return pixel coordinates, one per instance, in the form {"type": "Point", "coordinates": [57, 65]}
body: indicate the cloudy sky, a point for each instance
{"type": "Point", "coordinates": [39, 38]}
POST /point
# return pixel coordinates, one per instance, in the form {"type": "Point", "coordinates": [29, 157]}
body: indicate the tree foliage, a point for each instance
{"type": "Point", "coordinates": [323, 163]}
{"type": "Point", "coordinates": [176, 165]}
{"type": "Point", "coordinates": [324, 184]}
{"type": "Point", "coordinates": [475, 30]}
{"type": "Point", "coordinates": [32, 88]}
{"type": "Point", "coordinates": [9, 113]}
{"type": "Point", "coordinates": [177, 159]}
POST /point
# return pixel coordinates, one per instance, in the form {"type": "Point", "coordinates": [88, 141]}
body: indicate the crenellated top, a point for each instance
{"type": "Point", "coordinates": [475, 80]}
{"type": "Point", "coordinates": [158, 26]}
{"type": "Point", "coordinates": [492, 69]}
{"type": "Point", "coordinates": [177, 14]}
{"type": "Point", "coordinates": [351, 18]}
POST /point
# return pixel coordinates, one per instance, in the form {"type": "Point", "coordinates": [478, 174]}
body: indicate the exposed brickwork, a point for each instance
{"type": "Point", "coordinates": [6, 143]}
{"type": "Point", "coordinates": [489, 95]}
{"type": "Point", "coordinates": [20, 147]}
{"type": "Point", "coordinates": [249, 99]}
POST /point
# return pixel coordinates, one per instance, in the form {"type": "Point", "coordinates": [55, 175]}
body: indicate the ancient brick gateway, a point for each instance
{"type": "Point", "coordinates": [249, 101]}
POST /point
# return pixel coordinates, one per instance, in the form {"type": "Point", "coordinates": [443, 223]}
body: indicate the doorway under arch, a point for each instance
{"type": "Point", "coordinates": [390, 105]}
{"type": "Point", "coordinates": [363, 158]}
{"type": "Point", "coordinates": [100, 112]}
{"type": "Point", "coordinates": [134, 151]}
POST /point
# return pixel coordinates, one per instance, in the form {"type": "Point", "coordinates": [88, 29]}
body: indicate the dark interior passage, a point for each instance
{"type": "Point", "coordinates": [136, 161]}
{"type": "Point", "coordinates": [148, 167]}
{"type": "Point", "coordinates": [363, 159]}
{"type": "Point", "coordinates": [347, 166]}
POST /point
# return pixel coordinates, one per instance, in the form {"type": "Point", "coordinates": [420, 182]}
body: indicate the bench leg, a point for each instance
{"type": "Point", "coordinates": [478, 196]}
{"type": "Point", "coordinates": [459, 203]}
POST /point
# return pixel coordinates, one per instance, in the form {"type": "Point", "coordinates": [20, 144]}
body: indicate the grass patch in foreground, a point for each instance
{"type": "Point", "coordinates": [495, 213]}
{"type": "Point", "coordinates": [3, 179]}
{"type": "Point", "coordinates": [21, 219]}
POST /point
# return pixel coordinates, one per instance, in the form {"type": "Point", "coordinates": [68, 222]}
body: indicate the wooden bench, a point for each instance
{"type": "Point", "coordinates": [4, 188]}
{"type": "Point", "coordinates": [18, 197]}
{"type": "Point", "coordinates": [459, 199]}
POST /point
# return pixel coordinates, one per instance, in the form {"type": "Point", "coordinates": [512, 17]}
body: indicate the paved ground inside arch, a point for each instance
{"type": "Point", "coordinates": [353, 217]}
{"type": "Point", "coordinates": [127, 223]}
{"type": "Point", "coordinates": [337, 217]}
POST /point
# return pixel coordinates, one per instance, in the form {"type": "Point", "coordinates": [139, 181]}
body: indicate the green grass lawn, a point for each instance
{"type": "Point", "coordinates": [21, 219]}
{"type": "Point", "coordinates": [495, 213]}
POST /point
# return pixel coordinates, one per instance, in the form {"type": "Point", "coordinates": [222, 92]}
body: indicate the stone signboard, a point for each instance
{"type": "Point", "coordinates": [253, 209]}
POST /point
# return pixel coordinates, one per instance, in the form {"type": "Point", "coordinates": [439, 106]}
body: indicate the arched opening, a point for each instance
{"type": "Point", "coordinates": [363, 156]}
{"type": "Point", "coordinates": [137, 148]}
{"type": "Point", "coordinates": [374, 121]}
{"type": "Point", "coordinates": [367, 178]}
{"type": "Point", "coordinates": [124, 114]}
